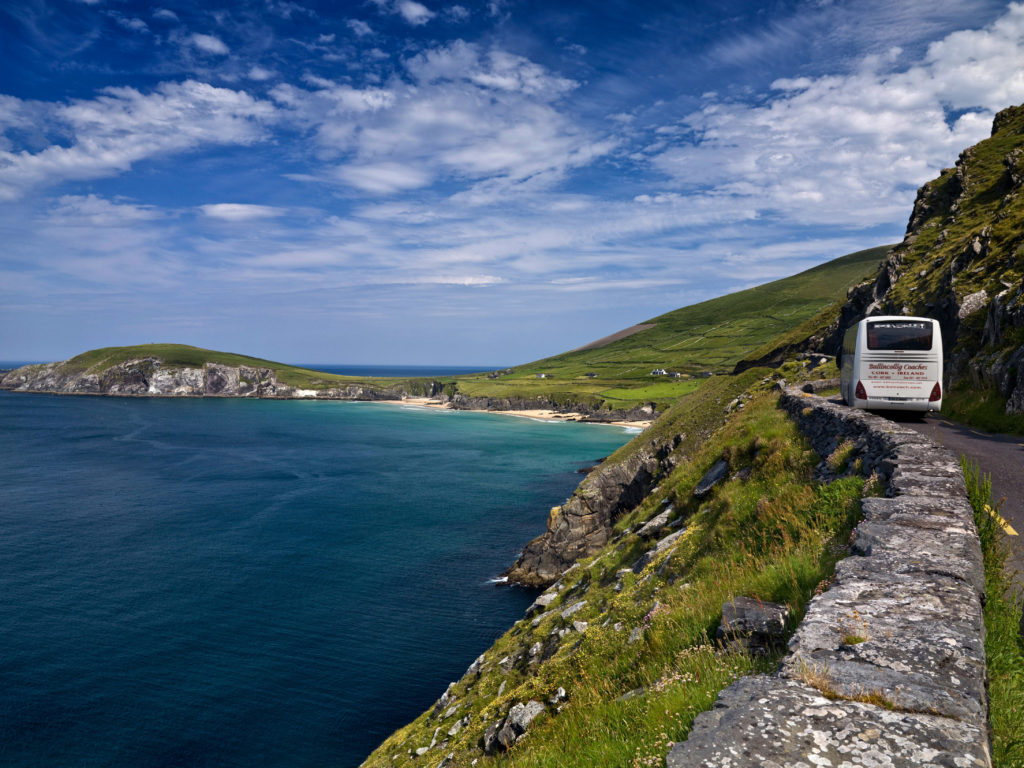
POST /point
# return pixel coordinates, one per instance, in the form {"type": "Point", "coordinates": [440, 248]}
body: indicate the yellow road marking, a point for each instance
{"type": "Point", "coordinates": [1001, 522]}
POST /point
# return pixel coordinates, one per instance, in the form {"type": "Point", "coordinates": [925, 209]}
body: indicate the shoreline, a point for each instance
{"type": "Point", "coordinates": [537, 414]}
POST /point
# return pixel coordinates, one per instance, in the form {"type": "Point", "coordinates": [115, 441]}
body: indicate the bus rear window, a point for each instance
{"type": "Point", "coordinates": [913, 335]}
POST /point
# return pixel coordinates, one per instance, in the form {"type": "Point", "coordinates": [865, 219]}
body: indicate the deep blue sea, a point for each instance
{"type": "Point", "coordinates": [254, 583]}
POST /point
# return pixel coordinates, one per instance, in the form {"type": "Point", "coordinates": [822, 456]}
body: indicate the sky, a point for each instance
{"type": "Point", "coordinates": [472, 183]}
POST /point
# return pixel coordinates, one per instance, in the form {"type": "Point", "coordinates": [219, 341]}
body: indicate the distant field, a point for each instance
{"type": "Point", "coordinates": [710, 337]}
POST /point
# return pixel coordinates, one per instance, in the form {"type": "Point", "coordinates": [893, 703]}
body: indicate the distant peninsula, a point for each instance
{"type": "Point", "coordinates": [179, 370]}
{"type": "Point", "coordinates": [630, 376]}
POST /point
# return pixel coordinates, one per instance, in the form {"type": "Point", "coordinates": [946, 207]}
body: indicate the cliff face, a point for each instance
{"type": "Point", "coordinates": [151, 377]}
{"type": "Point", "coordinates": [961, 262]}
{"type": "Point", "coordinates": [584, 524]}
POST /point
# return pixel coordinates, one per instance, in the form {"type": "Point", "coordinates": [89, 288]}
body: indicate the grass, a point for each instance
{"type": "Point", "coordinates": [712, 336]}
{"type": "Point", "coordinates": [982, 407]}
{"type": "Point", "coordinates": [646, 663]}
{"type": "Point", "coordinates": [1004, 646]}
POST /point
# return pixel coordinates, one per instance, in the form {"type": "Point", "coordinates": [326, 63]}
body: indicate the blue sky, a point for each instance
{"type": "Point", "coordinates": [405, 182]}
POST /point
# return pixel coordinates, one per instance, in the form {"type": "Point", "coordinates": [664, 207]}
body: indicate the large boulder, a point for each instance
{"type": "Point", "coordinates": [503, 735]}
{"type": "Point", "coordinates": [754, 624]}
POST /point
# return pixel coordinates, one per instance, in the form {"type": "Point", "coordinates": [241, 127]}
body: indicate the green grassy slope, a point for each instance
{"type": "Point", "coordinates": [711, 336]}
{"type": "Point", "coordinates": [637, 659]}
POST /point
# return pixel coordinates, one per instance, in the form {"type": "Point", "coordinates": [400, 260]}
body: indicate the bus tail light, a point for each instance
{"type": "Point", "coordinates": [936, 394]}
{"type": "Point", "coordinates": [860, 393]}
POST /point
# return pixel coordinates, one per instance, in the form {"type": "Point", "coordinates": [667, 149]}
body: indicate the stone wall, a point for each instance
{"type": "Point", "coordinates": [888, 666]}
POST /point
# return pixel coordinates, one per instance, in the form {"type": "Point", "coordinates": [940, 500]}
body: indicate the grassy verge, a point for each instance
{"type": "Point", "coordinates": [982, 408]}
{"type": "Point", "coordinates": [1004, 648]}
{"type": "Point", "coordinates": [637, 659]}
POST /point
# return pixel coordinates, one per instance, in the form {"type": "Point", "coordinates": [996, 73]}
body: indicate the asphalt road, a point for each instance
{"type": "Point", "coordinates": [1002, 457]}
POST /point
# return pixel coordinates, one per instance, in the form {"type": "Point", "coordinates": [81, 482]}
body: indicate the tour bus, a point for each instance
{"type": "Point", "coordinates": [894, 363]}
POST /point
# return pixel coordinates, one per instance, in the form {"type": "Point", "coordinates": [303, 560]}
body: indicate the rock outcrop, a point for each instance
{"type": "Point", "coordinates": [960, 262]}
{"type": "Point", "coordinates": [582, 526]}
{"type": "Point", "coordinates": [150, 376]}
{"type": "Point", "coordinates": [888, 665]}
{"type": "Point", "coordinates": [504, 734]}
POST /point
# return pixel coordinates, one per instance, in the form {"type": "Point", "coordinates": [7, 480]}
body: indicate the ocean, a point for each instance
{"type": "Point", "coordinates": [228, 582]}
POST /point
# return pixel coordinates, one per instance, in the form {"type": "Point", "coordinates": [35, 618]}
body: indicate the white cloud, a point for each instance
{"type": "Point", "coordinates": [484, 118]}
{"type": "Point", "coordinates": [258, 73]}
{"type": "Point", "coordinates": [851, 149]}
{"type": "Point", "coordinates": [129, 23]}
{"type": "Point", "coordinates": [165, 14]}
{"type": "Point", "coordinates": [95, 211]}
{"type": "Point", "coordinates": [209, 44]}
{"type": "Point", "coordinates": [360, 28]}
{"type": "Point", "coordinates": [240, 211]}
{"type": "Point", "coordinates": [413, 12]}
{"type": "Point", "coordinates": [123, 126]}
{"type": "Point", "coordinates": [383, 178]}
{"type": "Point", "coordinates": [457, 13]}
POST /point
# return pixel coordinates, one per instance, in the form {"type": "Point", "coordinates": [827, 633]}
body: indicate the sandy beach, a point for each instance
{"type": "Point", "coordinates": [546, 415]}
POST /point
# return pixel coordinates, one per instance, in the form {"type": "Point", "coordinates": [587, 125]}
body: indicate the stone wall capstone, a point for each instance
{"type": "Point", "coordinates": [887, 667]}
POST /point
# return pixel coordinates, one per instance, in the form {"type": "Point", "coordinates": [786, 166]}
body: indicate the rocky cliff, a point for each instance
{"type": "Point", "coordinates": [961, 262]}
{"type": "Point", "coordinates": [151, 376]}
{"type": "Point", "coordinates": [583, 525]}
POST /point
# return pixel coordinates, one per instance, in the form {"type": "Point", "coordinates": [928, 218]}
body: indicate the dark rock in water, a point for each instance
{"type": "Point", "coordinates": [712, 478]}
{"type": "Point", "coordinates": [757, 625]}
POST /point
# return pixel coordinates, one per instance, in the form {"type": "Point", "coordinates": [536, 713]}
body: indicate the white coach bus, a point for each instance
{"type": "Point", "coordinates": [893, 362]}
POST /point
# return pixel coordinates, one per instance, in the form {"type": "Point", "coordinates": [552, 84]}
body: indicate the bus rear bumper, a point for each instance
{"type": "Point", "coordinates": [904, 404]}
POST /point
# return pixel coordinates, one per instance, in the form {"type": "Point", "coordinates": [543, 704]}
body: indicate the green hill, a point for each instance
{"type": "Point", "coordinates": [185, 356]}
{"type": "Point", "coordinates": [708, 337]}
{"type": "Point", "coordinates": [611, 374]}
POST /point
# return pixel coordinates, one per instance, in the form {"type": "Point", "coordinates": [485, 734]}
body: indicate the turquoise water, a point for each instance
{"type": "Point", "coordinates": [240, 583]}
